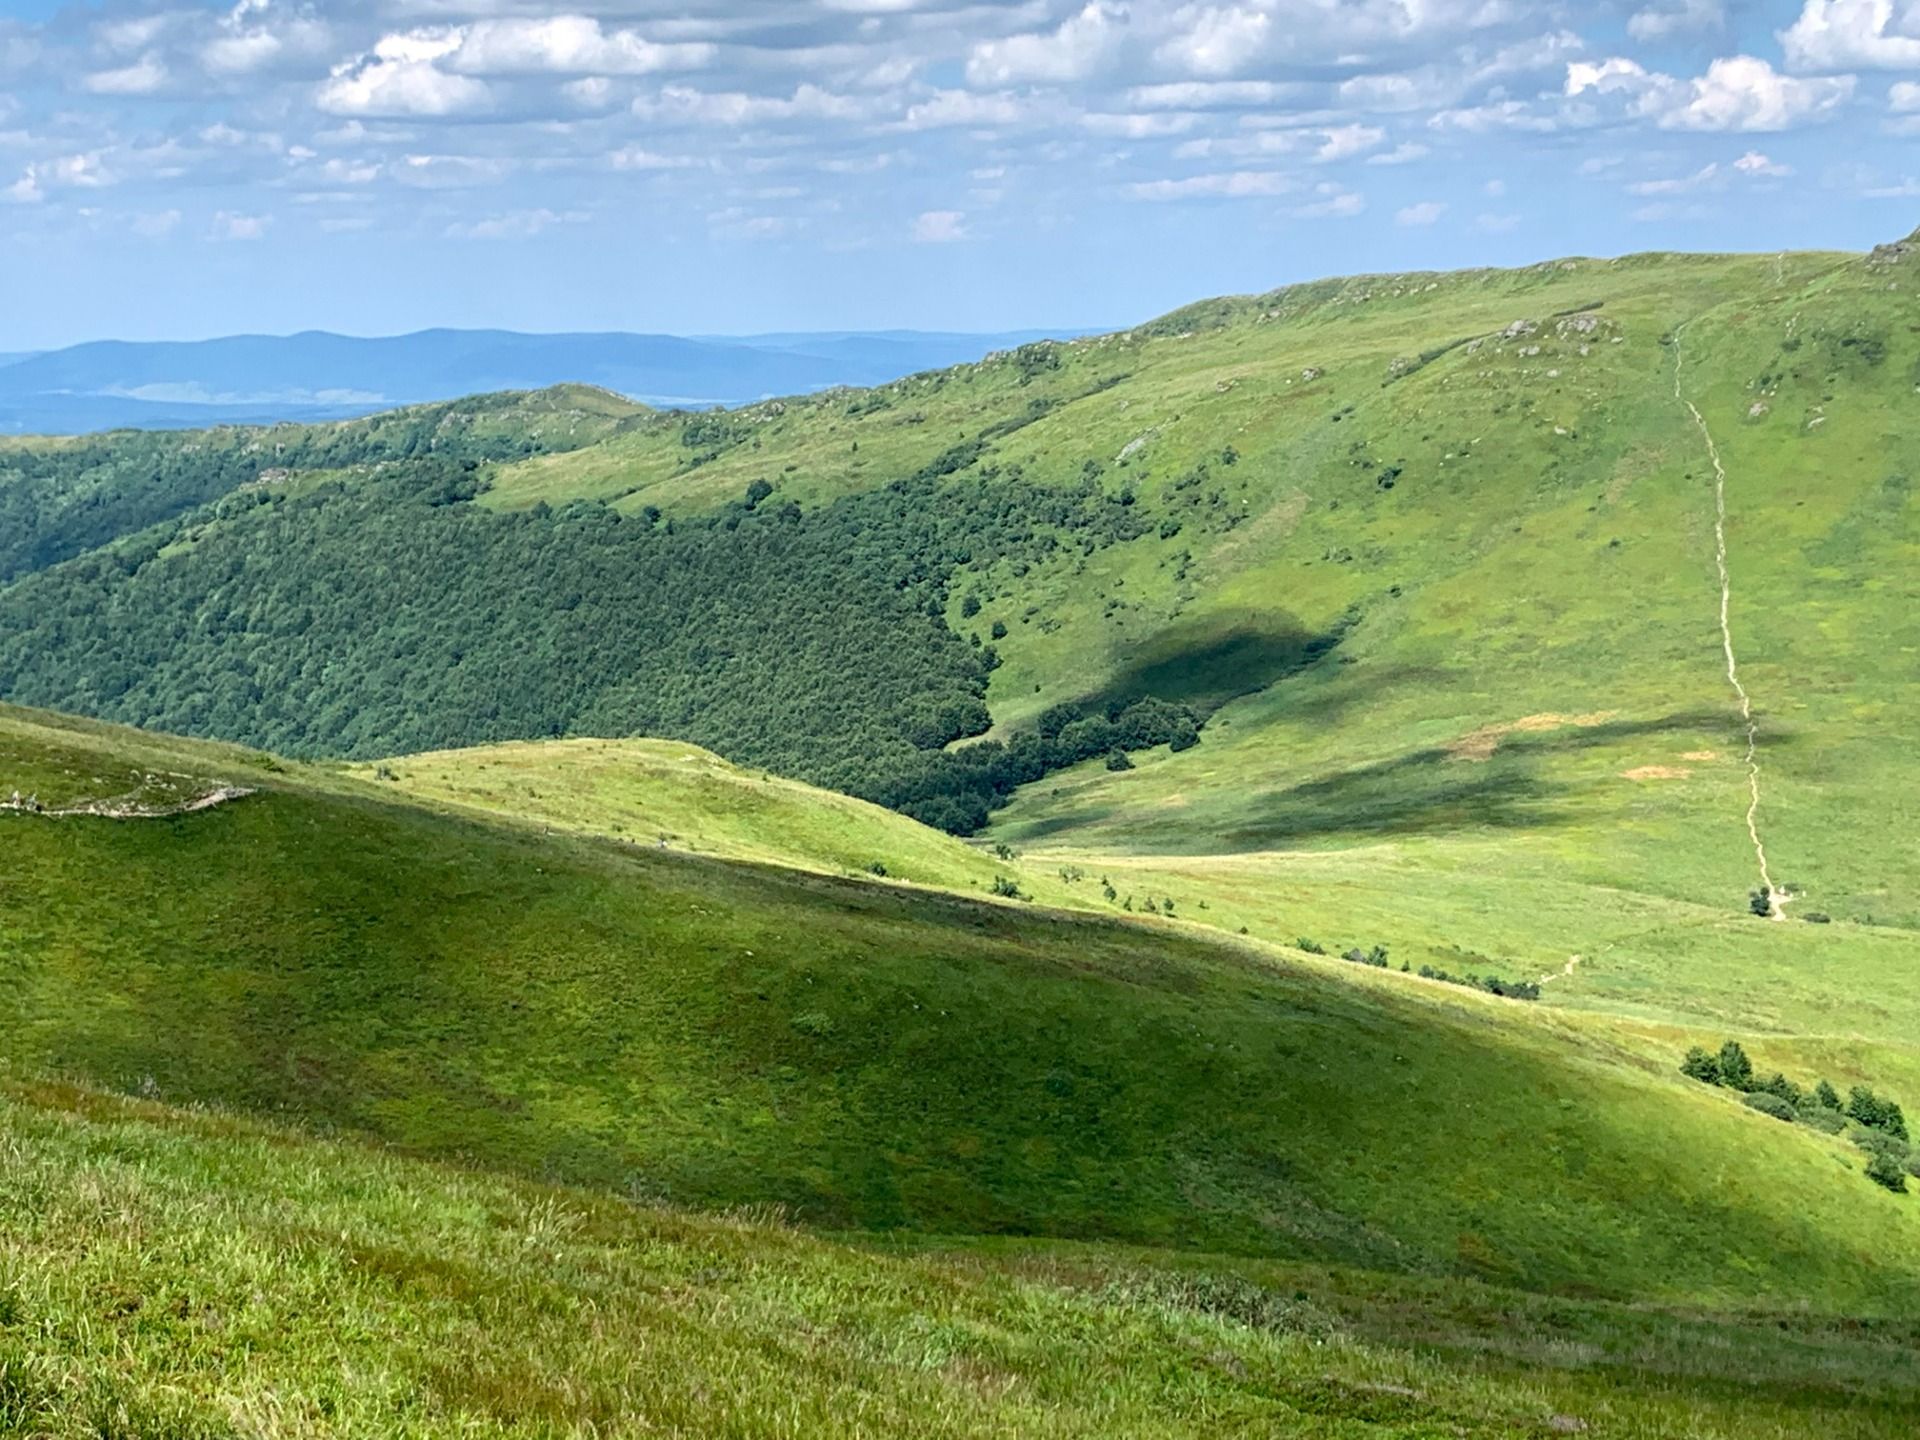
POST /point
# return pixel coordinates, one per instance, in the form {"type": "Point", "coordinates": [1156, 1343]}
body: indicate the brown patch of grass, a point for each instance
{"type": "Point", "coordinates": [1480, 744]}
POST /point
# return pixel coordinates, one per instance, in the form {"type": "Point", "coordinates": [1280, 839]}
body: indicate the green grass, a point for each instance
{"type": "Point", "coordinates": [884, 1058]}
{"type": "Point", "coordinates": [196, 1274]}
{"type": "Point", "coordinates": [667, 794]}
{"type": "Point", "coordinates": [1521, 750]}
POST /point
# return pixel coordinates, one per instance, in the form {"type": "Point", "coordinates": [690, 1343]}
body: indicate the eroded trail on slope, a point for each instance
{"type": "Point", "coordinates": [1775, 899]}
{"type": "Point", "coordinates": [126, 807]}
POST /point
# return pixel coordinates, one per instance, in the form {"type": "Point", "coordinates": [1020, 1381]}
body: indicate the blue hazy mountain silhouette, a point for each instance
{"type": "Point", "coordinates": [316, 375]}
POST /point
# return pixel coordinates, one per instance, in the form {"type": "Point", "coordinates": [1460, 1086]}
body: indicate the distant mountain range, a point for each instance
{"type": "Point", "coordinates": [315, 375]}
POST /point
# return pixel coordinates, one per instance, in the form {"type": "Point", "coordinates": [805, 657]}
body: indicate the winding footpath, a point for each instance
{"type": "Point", "coordinates": [1775, 899]}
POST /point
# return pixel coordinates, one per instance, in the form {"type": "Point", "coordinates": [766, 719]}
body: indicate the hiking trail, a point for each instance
{"type": "Point", "coordinates": [1776, 898]}
{"type": "Point", "coordinates": [126, 807]}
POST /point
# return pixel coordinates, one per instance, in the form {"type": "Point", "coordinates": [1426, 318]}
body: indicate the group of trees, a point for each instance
{"type": "Point", "coordinates": [371, 613]}
{"type": "Point", "coordinates": [1874, 1123]}
{"type": "Point", "coordinates": [62, 498]}
{"type": "Point", "coordinates": [956, 790]}
{"type": "Point", "coordinates": [1492, 984]}
{"type": "Point", "coordinates": [1376, 956]}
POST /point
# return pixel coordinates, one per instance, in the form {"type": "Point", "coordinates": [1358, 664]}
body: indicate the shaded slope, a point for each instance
{"type": "Point", "coordinates": [880, 1059]}
{"type": "Point", "coordinates": [188, 1274]}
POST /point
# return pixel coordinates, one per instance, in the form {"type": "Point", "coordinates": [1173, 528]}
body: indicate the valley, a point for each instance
{"type": "Point", "coordinates": [926, 889]}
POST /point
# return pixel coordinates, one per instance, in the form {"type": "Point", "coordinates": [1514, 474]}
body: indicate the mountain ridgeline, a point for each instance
{"type": "Point", "coordinates": [1085, 547]}
{"type": "Point", "coordinates": [351, 601]}
{"type": "Point", "coordinates": [1418, 730]}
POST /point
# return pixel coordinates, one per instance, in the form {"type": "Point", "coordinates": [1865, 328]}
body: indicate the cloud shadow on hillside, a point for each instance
{"type": "Point", "coordinates": [1423, 792]}
{"type": "Point", "coordinates": [1434, 790]}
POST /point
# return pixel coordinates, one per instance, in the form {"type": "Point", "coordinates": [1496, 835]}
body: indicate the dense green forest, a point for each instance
{"type": "Point", "coordinates": [59, 499]}
{"type": "Point", "coordinates": [360, 615]}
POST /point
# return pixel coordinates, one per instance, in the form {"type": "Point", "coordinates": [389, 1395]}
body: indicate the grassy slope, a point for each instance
{"type": "Point", "coordinates": [669, 794]}
{"type": "Point", "coordinates": [880, 1058]}
{"type": "Point", "coordinates": [1546, 550]}
{"type": "Point", "coordinates": [199, 1275]}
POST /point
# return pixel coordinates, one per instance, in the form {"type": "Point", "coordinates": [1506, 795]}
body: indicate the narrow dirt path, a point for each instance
{"type": "Point", "coordinates": [127, 807]}
{"type": "Point", "coordinates": [1775, 899]}
{"type": "Point", "coordinates": [1573, 964]}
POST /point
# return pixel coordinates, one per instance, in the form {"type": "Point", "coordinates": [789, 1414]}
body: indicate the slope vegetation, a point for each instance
{"type": "Point", "coordinates": [666, 794]}
{"type": "Point", "coordinates": [874, 1058]}
{"type": "Point", "coordinates": [194, 1274]}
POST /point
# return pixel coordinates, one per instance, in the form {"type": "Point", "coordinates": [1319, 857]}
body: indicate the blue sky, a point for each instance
{"type": "Point", "coordinates": [170, 169]}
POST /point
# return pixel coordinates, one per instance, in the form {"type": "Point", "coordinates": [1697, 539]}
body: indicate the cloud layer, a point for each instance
{"type": "Point", "coordinates": [844, 125]}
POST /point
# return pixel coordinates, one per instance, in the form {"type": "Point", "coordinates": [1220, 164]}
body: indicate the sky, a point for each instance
{"type": "Point", "coordinates": [173, 170]}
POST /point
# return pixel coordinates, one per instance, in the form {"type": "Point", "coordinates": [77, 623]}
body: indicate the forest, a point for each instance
{"type": "Point", "coordinates": [59, 499]}
{"type": "Point", "coordinates": [373, 612]}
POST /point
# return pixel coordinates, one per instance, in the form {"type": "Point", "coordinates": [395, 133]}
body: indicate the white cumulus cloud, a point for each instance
{"type": "Point", "coordinates": [939, 227]}
{"type": "Point", "coordinates": [1745, 93]}
{"type": "Point", "coordinates": [1072, 52]}
{"type": "Point", "coordinates": [1233, 185]}
{"type": "Point", "coordinates": [1834, 35]}
{"type": "Point", "coordinates": [565, 45]}
{"type": "Point", "coordinates": [400, 79]}
{"type": "Point", "coordinates": [1676, 17]}
{"type": "Point", "coordinates": [143, 77]}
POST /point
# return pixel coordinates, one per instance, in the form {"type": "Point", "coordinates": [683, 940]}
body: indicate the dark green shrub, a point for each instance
{"type": "Point", "coordinates": [1779, 1085]}
{"type": "Point", "coordinates": [1117, 760]}
{"type": "Point", "coordinates": [1698, 1065]}
{"type": "Point", "coordinates": [1312, 947]}
{"type": "Point", "coordinates": [1885, 1169]}
{"type": "Point", "coordinates": [1876, 1114]}
{"type": "Point", "coordinates": [1768, 1103]}
{"type": "Point", "coordinates": [1736, 1070]}
{"type": "Point", "coordinates": [1825, 1096]}
{"type": "Point", "coordinates": [1004, 887]}
{"type": "Point", "coordinates": [1828, 1122]}
{"type": "Point", "coordinates": [1877, 1142]}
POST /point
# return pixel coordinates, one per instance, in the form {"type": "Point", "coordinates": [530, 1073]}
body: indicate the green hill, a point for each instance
{"type": "Point", "coordinates": [1390, 617]}
{"type": "Point", "coordinates": [197, 1274]}
{"type": "Point", "coordinates": [871, 1057]}
{"type": "Point", "coordinates": [1430, 559]}
{"type": "Point", "coordinates": [666, 794]}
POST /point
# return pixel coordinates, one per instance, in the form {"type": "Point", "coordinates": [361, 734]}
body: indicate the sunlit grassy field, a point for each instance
{"type": "Point", "coordinates": [1065, 1130]}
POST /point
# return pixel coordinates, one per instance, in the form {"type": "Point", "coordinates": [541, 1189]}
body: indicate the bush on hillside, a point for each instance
{"type": "Point", "coordinates": [1781, 1087]}
{"type": "Point", "coordinates": [1701, 1066]}
{"type": "Point", "coordinates": [1492, 984]}
{"type": "Point", "coordinates": [1117, 760]}
{"type": "Point", "coordinates": [1885, 1169]}
{"type": "Point", "coordinates": [1828, 1122]}
{"type": "Point", "coordinates": [1736, 1070]}
{"type": "Point", "coordinates": [1876, 1114]}
{"type": "Point", "coordinates": [1770, 1104]}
